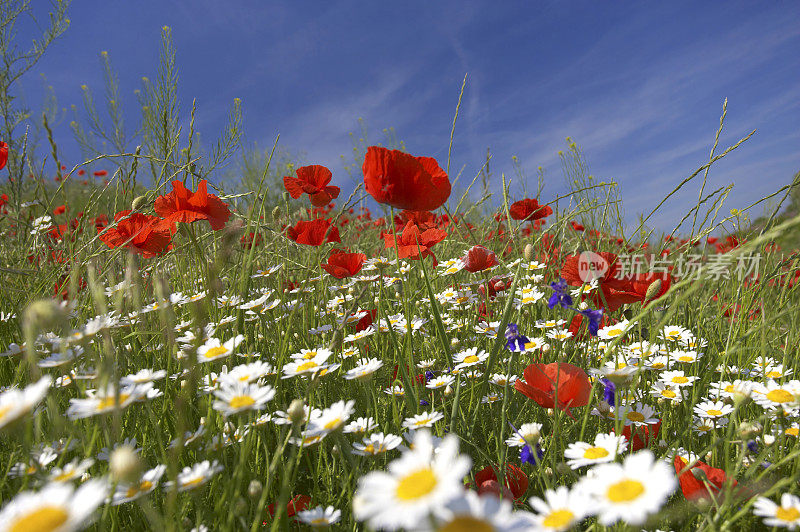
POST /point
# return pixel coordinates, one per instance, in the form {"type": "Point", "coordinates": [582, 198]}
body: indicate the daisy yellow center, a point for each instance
{"type": "Point", "coordinates": [66, 475]}
{"type": "Point", "coordinates": [680, 379]}
{"type": "Point", "coordinates": [216, 351]}
{"type": "Point", "coordinates": [332, 424]}
{"type": "Point", "coordinates": [714, 412]}
{"type": "Point", "coordinates": [793, 431]}
{"type": "Point", "coordinates": [669, 393]}
{"type": "Point", "coordinates": [686, 359]}
{"type": "Point", "coordinates": [308, 365]}
{"type": "Point", "coordinates": [109, 402]}
{"type": "Point", "coordinates": [369, 449]}
{"type": "Point", "coordinates": [780, 396]}
{"type": "Point", "coordinates": [192, 483]}
{"type": "Point", "coordinates": [467, 523]}
{"type": "Point", "coordinates": [242, 401]}
{"type": "Point", "coordinates": [614, 332]}
{"type": "Point", "coordinates": [310, 355]}
{"type": "Point", "coordinates": [774, 374]}
{"type": "Point", "coordinates": [594, 453]}
{"type": "Point", "coordinates": [44, 518]}
{"type": "Point", "coordinates": [558, 519]}
{"type": "Point", "coordinates": [319, 521]}
{"type": "Point", "coordinates": [625, 491]}
{"type": "Point", "coordinates": [635, 416]}
{"type": "Point", "coordinates": [4, 410]}
{"type": "Point", "coordinates": [143, 486]}
{"type": "Point", "coordinates": [470, 359]}
{"type": "Point", "coordinates": [416, 485]}
{"type": "Point", "coordinates": [658, 365]}
{"type": "Point", "coordinates": [787, 514]}
{"type": "Point", "coordinates": [729, 388]}
{"type": "Point", "coordinates": [421, 422]}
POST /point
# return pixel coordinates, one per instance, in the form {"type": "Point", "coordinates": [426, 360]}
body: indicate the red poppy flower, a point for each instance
{"type": "Point", "coordinates": [642, 282]}
{"type": "Point", "coordinates": [312, 180]}
{"type": "Point", "coordinates": [3, 200]}
{"type": "Point", "coordinates": [61, 209]}
{"type": "Point", "coordinates": [576, 226]}
{"type": "Point", "coordinates": [314, 232]}
{"type": "Point", "coordinates": [100, 173]}
{"type": "Point", "coordinates": [297, 504]}
{"type": "Point", "coordinates": [181, 205]}
{"type": "Point", "coordinates": [529, 210]}
{"type": "Point", "coordinates": [613, 292]}
{"type": "Point", "coordinates": [3, 155]}
{"type": "Point", "coordinates": [367, 320]}
{"type": "Point", "coordinates": [695, 489]}
{"type": "Point", "coordinates": [81, 172]}
{"type": "Point", "coordinates": [516, 481]}
{"type": "Point", "coordinates": [141, 233]}
{"type": "Point", "coordinates": [404, 181]}
{"type": "Point", "coordinates": [547, 383]}
{"type": "Point", "coordinates": [478, 259]}
{"type": "Point", "coordinates": [641, 437]}
{"type": "Point", "coordinates": [341, 264]}
{"type": "Point", "coordinates": [414, 243]}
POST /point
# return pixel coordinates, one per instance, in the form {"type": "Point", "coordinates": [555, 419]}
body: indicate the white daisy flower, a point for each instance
{"type": "Point", "coordinates": [376, 444]}
{"type": "Point", "coordinates": [440, 382]}
{"type": "Point", "coordinates": [469, 357]}
{"type": "Point", "coordinates": [364, 369]}
{"type": "Point", "coordinates": [418, 483]}
{"type": "Point", "coordinates": [605, 449]}
{"type": "Point", "coordinates": [664, 391]}
{"type": "Point", "coordinates": [712, 409]}
{"type": "Point", "coordinates": [192, 477]}
{"type": "Point", "coordinates": [214, 349]}
{"type": "Point", "coordinates": [787, 515]}
{"type": "Point", "coordinates": [146, 484]}
{"type": "Point", "coordinates": [560, 509]}
{"type": "Point", "coordinates": [630, 491]}
{"type": "Point", "coordinates": [360, 426]}
{"type": "Point", "coordinates": [236, 396]}
{"type": "Point", "coordinates": [331, 418]}
{"type": "Point", "coordinates": [142, 376]}
{"type": "Point", "coordinates": [471, 511]}
{"type": "Point", "coordinates": [677, 378]}
{"type": "Point", "coordinates": [57, 507]}
{"type": "Point", "coordinates": [107, 400]}
{"type": "Point", "coordinates": [16, 403]}
{"type": "Point", "coordinates": [426, 419]}
{"type": "Point", "coordinates": [320, 516]}
{"type": "Point", "coordinates": [70, 471]}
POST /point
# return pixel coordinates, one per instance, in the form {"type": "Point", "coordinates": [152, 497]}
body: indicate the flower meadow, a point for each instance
{"type": "Point", "coordinates": [391, 356]}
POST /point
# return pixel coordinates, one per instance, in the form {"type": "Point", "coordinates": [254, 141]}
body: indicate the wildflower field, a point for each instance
{"type": "Point", "coordinates": [280, 352]}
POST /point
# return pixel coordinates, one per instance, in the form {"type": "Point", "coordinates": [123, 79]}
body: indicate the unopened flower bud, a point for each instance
{"type": "Point", "coordinates": [139, 202]}
{"type": "Point", "coordinates": [653, 290]}
{"type": "Point", "coordinates": [124, 464]}
{"type": "Point", "coordinates": [769, 439]}
{"type": "Point", "coordinates": [528, 252]}
{"type": "Point", "coordinates": [44, 314]}
{"type": "Point", "coordinates": [276, 214]}
{"type": "Point", "coordinates": [749, 428]}
{"type": "Point", "coordinates": [563, 468]}
{"type": "Point", "coordinates": [448, 390]}
{"type": "Point", "coordinates": [296, 412]}
{"type": "Point", "coordinates": [254, 489]}
{"type": "Point", "coordinates": [699, 474]}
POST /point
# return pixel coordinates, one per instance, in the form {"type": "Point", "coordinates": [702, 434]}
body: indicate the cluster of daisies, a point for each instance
{"type": "Point", "coordinates": [423, 487]}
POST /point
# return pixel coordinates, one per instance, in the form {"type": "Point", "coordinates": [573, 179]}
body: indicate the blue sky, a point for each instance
{"type": "Point", "coordinates": [638, 85]}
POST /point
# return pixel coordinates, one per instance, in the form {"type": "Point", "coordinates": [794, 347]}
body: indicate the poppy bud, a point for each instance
{"type": "Point", "coordinates": [254, 489]}
{"type": "Point", "coordinates": [448, 390]}
{"type": "Point", "coordinates": [529, 252]}
{"type": "Point", "coordinates": [139, 202]}
{"type": "Point", "coordinates": [296, 412]}
{"type": "Point", "coordinates": [653, 290]}
{"type": "Point", "coordinates": [276, 213]}
{"type": "Point", "coordinates": [749, 428]}
{"type": "Point", "coordinates": [124, 464]}
{"type": "Point", "coordinates": [44, 314]}
{"type": "Point", "coordinates": [699, 474]}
